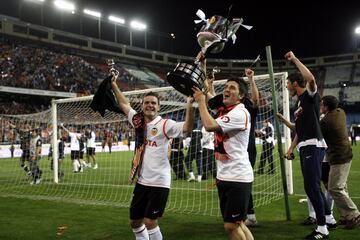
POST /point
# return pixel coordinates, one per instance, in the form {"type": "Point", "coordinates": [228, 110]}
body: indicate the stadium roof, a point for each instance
{"type": "Point", "coordinates": [309, 28]}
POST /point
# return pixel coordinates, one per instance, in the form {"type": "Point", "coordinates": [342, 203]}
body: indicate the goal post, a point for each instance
{"type": "Point", "coordinates": [277, 126]}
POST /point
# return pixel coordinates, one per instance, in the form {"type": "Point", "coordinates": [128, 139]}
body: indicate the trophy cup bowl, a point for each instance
{"type": "Point", "coordinates": [216, 29]}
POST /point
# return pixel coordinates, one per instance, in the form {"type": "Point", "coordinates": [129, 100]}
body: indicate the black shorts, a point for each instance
{"type": "Point", "coordinates": [90, 151]}
{"type": "Point", "coordinates": [81, 153]}
{"type": "Point", "coordinates": [234, 200]}
{"type": "Point", "coordinates": [74, 155]}
{"type": "Point", "coordinates": [25, 156]}
{"type": "Point", "coordinates": [148, 202]}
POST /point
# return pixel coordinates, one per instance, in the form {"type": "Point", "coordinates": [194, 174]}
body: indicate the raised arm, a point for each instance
{"type": "Point", "coordinates": [253, 88]}
{"type": "Point", "coordinates": [189, 116]}
{"type": "Point", "coordinates": [209, 86]}
{"type": "Point", "coordinates": [208, 121]}
{"type": "Point", "coordinates": [305, 72]}
{"type": "Point", "coordinates": [289, 124]}
{"type": "Point", "coordinates": [210, 91]}
{"type": "Point", "coordinates": [120, 97]}
{"type": "Point", "coordinates": [62, 126]}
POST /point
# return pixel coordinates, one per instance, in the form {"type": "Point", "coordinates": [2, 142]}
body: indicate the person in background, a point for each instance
{"type": "Point", "coordinates": [208, 158]}
{"type": "Point", "coordinates": [266, 133]}
{"type": "Point", "coordinates": [35, 156]}
{"type": "Point", "coordinates": [339, 155]}
{"type": "Point", "coordinates": [309, 140]}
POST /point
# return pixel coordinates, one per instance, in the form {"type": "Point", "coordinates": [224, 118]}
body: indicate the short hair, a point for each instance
{"type": "Point", "coordinates": [297, 77]}
{"type": "Point", "coordinates": [330, 102]}
{"type": "Point", "coordinates": [154, 94]}
{"type": "Point", "coordinates": [243, 86]}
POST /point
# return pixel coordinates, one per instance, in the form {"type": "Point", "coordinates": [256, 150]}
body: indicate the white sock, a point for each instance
{"type": "Point", "coordinates": [251, 217]}
{"type": "Point", "coordinates": [322, 229]}
{"type": "Point", "coordinates": [199, 177]}
{"type": "Point", "coordinates": [191, 174]}
{"type": "Point", "coordinates": [311, 209]}
{"type": "Point", "coordinates": [155, 234]}
{"type": "Point", "coordinates": [141, 233]}
{"type": "Point", "coordinates": [330, 219]}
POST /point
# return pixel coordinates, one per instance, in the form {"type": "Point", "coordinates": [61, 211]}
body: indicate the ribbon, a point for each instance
{"type": "Point", "coordinates": [201, 15]}
{"type": "Point", "coordinates": [236, 23]}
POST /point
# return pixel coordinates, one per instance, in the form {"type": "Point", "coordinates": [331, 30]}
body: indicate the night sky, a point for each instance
{"type": "Point", "coordinates": [309, 28]}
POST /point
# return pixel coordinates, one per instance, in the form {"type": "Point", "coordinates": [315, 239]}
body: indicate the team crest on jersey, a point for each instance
{"type": "Point", "coordinates": [154, 131]}
{"type": "Point", "coordinates": [225, 119]}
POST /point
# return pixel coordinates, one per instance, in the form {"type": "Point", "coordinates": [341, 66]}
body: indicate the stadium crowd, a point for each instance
{"type": "Point", "coordinates": [35, 67]}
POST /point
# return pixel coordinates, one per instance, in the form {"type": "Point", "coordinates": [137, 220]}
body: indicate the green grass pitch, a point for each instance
{"type": "Point", "coordinates": [87, 206]}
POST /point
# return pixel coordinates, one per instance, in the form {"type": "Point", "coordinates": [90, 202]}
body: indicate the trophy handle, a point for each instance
{"type": "Point", "coordinates": [208, 44]}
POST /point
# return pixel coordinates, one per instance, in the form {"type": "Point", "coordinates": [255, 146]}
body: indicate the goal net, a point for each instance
{"type": "Point", "coordinates": [104, 179]}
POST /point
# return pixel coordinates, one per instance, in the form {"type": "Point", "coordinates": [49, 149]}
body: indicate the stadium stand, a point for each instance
{"type": "Point", "coordinates": [64, 65]}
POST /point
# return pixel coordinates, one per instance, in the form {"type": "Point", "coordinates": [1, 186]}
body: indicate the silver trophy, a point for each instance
{"type": "Point", "coordinates": [213, 35]}
{"type": "Point", "coordinates": [111, 63]}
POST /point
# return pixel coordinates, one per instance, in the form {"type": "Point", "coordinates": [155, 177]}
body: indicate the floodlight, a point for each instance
{"type": "Point", "coordinates": [64, 5]}
{"type": "Point", "coordinates": [357, 30]}
{"type": "Point", "coordinates": [38, 1]}
{"type": "Point", "coordinates": [172, 35]}
{"type": "Point", "coordinates": [92, 13]}
{"type": "Point", "coordinates": [138, 25]}
{"type": "Point", "coordinates": [116, 19]}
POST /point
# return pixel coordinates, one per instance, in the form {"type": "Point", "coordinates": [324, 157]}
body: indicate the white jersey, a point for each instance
{"type": "Point", "coordinates": [35, 142]}
{"type": "Point", "coordinates": [207, 140]}
{"type": "Point", "coordinates": [74, 141]}
{"type": "Point", "coordinates": [90, 142]}
{"type": "Point", "coordinates": [234, 165]}
{"type": "Point", "coordinates": [155, 168]}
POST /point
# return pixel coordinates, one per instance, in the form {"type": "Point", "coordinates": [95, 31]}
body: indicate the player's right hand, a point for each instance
{"type": "Point", "coordinates": [290, 56]}
{"type": "Point", "coordinates": [289, 155]}
{"type": "Point", "coordinates": [115, 74]}
{"type": "Point", "coordinates": [249, 73]}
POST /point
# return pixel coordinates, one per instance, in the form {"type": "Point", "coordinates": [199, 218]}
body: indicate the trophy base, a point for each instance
{"type": "Point", "coordinates": [185, 76]}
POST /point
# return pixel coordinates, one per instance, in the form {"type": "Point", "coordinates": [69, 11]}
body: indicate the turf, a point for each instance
{"type": "Point", "coordinates": [29, 218]}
